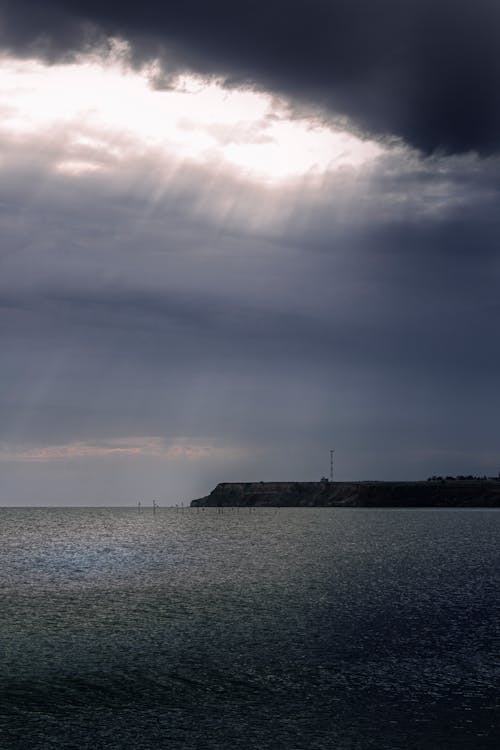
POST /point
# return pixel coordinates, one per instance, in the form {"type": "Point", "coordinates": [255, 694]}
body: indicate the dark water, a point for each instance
{"type": "Point", "coordinates": [296, 628]}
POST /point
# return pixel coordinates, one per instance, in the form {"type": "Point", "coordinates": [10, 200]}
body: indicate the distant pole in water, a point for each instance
{"type": "Point", "coordinates": [139, 506]}
{"type": "Point", "coordinates": [155, 506]}
{"type": "Point", "coordinates": [331, 465]}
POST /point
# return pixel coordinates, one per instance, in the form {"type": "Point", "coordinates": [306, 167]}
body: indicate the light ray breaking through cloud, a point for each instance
{"type": "Point", "coordinates": [259, 266]}
{"type": "Point", "coordinates": [105, 111]}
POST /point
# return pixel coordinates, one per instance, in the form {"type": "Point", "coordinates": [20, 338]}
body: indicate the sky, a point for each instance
{"type": "Point", "coordinates": [235, 236]}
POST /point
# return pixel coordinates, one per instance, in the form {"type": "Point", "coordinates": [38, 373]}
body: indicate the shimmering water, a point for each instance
{"type": "Point", "coordinates": [292, 628]}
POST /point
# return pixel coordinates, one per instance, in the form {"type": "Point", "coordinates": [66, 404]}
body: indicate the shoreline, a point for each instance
{"type": "Point", "coordinates": [453, 493]}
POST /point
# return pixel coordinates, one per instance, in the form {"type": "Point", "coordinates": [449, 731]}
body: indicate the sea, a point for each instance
{"type": "Point", "coordinates": [266, 628]}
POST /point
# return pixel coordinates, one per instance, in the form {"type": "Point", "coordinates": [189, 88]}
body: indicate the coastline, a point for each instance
{"type": "Point", "coordinates": [453, 493]}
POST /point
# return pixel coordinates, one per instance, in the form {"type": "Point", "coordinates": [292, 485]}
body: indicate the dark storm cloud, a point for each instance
{"type": "Point", "coordinates": [427, 71]}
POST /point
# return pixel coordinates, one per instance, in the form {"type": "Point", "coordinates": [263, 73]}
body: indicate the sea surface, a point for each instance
{"type": "Point", "coordinates": [300, 629]}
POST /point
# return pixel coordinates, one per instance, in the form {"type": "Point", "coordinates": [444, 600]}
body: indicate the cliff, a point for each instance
{"type": "Point", "coordinates": [431, 494]}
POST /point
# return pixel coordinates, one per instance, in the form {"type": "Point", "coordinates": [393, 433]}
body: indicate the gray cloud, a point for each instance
{"type": "Point", "coordinates": [370, 320]}
{"type": "Point", "coordinates": [427, 71]}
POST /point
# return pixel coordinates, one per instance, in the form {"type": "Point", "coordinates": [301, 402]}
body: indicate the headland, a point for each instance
{"type": "Point", "coordinates": [440, 493]}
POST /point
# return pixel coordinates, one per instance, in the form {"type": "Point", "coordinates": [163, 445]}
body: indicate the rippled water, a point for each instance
{"type": "Point", "coordinates": [291, 628]}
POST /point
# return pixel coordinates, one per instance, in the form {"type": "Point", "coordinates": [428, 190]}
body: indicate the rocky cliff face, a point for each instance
{"type": "Point", "coordinates": [354, 494]}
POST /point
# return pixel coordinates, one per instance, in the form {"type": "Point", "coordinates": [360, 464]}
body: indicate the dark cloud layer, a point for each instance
{"type": "Point", "coordinates": [427, 71]}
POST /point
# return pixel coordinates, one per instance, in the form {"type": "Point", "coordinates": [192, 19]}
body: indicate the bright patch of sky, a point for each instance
{"type": "Point", "coordinates": [104, 111]}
